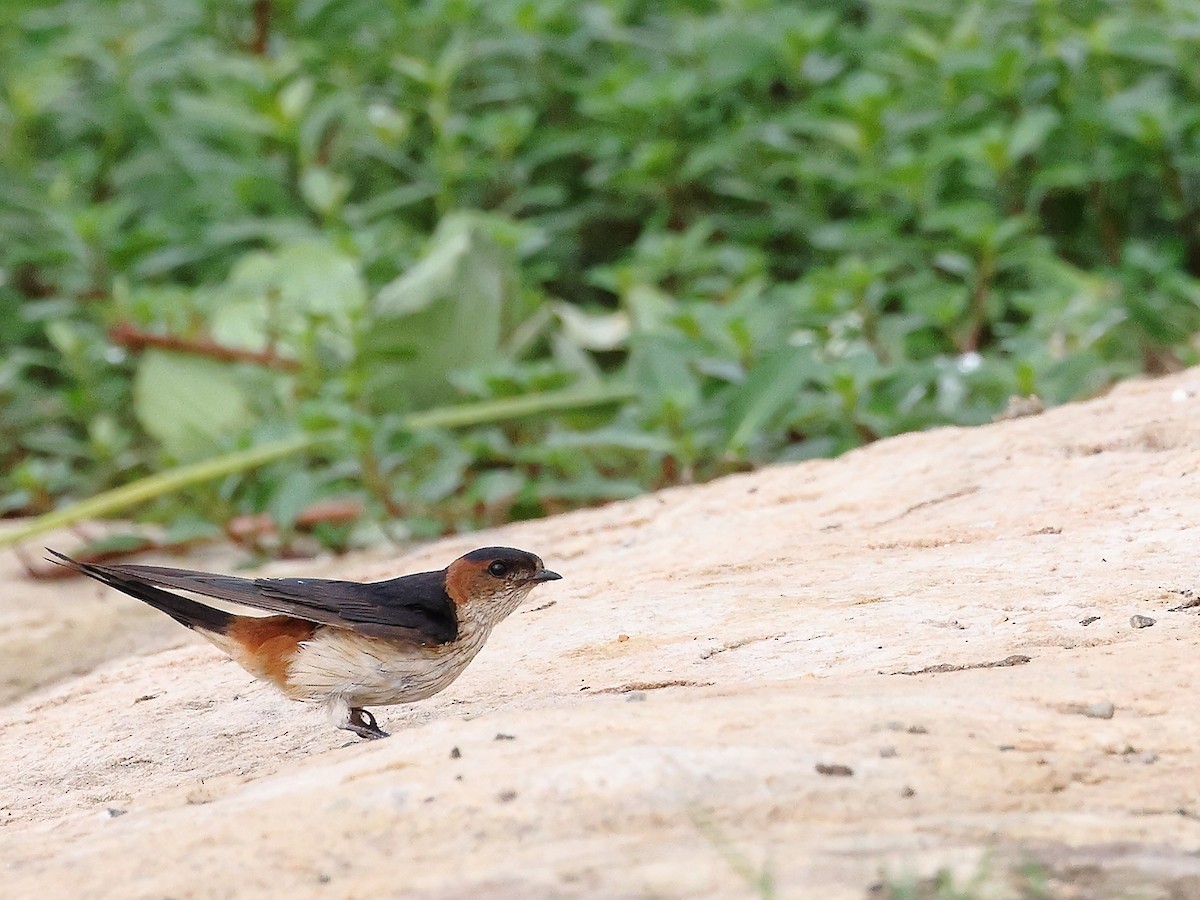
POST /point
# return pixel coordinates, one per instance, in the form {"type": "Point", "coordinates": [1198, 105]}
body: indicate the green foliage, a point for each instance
{"type": "Point", "coordinates": [789, 228]}
{"type": "Point", "coordinates": [1029, 881]}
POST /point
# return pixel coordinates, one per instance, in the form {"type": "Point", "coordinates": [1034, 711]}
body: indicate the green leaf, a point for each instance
{"type": "Point", "coordinates": [298, 490]}
{"type": "Point", "coordinates": [324, 190]}
{"type": "Point", "coordinates": [1031, 130]}
{"type": "Point", "coordinates": [662, 370]}
{"type": "Point", "coordinates": [442, 316]}
{"type": "Point", "coordinates": [188, 403]}
{"type": "Point", "coordinates": [591, 331]}
{"type": "Point", "coordinates": [770, 387]}
{"type": "Point", "coordinates": [305, 300]}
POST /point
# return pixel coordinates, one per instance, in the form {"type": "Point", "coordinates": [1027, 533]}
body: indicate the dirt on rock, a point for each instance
{"type": "Point", "coordinates": [830, 679]}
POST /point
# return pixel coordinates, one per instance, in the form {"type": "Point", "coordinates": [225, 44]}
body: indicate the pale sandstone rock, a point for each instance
{"type": "Point", "coordinates": [708, 648]}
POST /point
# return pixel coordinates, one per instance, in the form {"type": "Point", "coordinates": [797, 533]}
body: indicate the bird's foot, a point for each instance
{"type": "Point", "coordinates": [363, 723]}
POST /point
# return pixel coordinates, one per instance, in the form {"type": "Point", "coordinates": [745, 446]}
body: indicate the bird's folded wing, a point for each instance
{"type": "Point", "coordinates": [413, 607]}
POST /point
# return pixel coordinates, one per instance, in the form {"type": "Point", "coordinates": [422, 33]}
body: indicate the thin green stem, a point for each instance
{"type": "Point", "coordinates": [163, 483]}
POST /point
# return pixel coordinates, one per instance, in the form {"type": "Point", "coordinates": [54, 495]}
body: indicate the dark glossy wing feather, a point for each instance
{"type": "Point", "coordinates": [413, 607]}
{"type": "Point", "coordinates": [412, 603]}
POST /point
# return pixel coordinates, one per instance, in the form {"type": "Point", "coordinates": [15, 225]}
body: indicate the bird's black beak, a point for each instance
{"type": "Point", "coordinates": [544, 575]}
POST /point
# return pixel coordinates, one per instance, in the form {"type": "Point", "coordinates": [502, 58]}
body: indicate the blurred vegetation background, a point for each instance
{"type": "Point", "coordinates": [378, 270]}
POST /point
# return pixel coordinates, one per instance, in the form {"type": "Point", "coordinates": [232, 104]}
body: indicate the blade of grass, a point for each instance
{"type": "Point", "coordinates": [487, 411]}
{"type": "Point", "coordinates": [162, 483]}
{"type": "Point", "coordinates": [761, 881]}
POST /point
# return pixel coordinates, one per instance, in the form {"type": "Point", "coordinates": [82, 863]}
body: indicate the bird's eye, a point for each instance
{"type": "Point", "coordinates": [498, 569]}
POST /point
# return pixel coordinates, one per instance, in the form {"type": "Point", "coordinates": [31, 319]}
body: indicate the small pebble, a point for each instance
{"type": "Point", "coordinates": [836, 769]}
{"type": "Point", "coordinates": [1089, 620]}
{"type": "Point", "coordinates": [455, 753]}
{"type": "Point", "coordinates": [112, 812]}
{"type": "Point", "coordinates": [887, 752]}
{"type": "Point", "coordinates": [622, 638]}
{"type": "Point", "coordinates": [1101, 710]}
{"type": "Point", "coordinates": [506, 737]}
{"type": "Point", "coordinates": [1141, 621]}
{"type": "Point", "coordinates": [906, 791]}
{"type": "Point", "coordinates": [507, 796]}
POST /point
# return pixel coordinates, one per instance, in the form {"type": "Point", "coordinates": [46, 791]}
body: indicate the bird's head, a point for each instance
{"type": "Point", "coordinates": [487, 584]}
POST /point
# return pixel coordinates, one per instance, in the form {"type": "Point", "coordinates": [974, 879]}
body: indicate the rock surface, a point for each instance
{"type": "Point", "coordinates": [816, 680]}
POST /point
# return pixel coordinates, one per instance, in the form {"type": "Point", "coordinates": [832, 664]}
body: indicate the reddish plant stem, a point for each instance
{"type": "Point", "coordinates": [262, 27]}
{"type": "Point", "coordinates": [1110, 232]}
{"type": "Point", "coordinates": [133, 338]}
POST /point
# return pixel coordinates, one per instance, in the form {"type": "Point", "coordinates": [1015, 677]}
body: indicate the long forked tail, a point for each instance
{"type": "Point", "coordinates": [181, 609]}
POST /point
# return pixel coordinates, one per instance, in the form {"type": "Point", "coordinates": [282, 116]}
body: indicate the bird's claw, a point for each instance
{"type": "Point", "coordinates": [362, 722]}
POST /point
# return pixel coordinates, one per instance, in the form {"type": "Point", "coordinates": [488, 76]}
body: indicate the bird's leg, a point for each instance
{"type": "Point", "coordinates": [363, 724]}
{"type": "Point", "coordinates": [354, 718]}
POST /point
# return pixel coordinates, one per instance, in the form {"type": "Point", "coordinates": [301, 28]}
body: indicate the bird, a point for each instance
{"type": "Point", "coordinates": [344, 644]}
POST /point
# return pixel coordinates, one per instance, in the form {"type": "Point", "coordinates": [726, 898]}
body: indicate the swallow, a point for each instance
{"type": "Point", "coordinates": [345, 644]}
